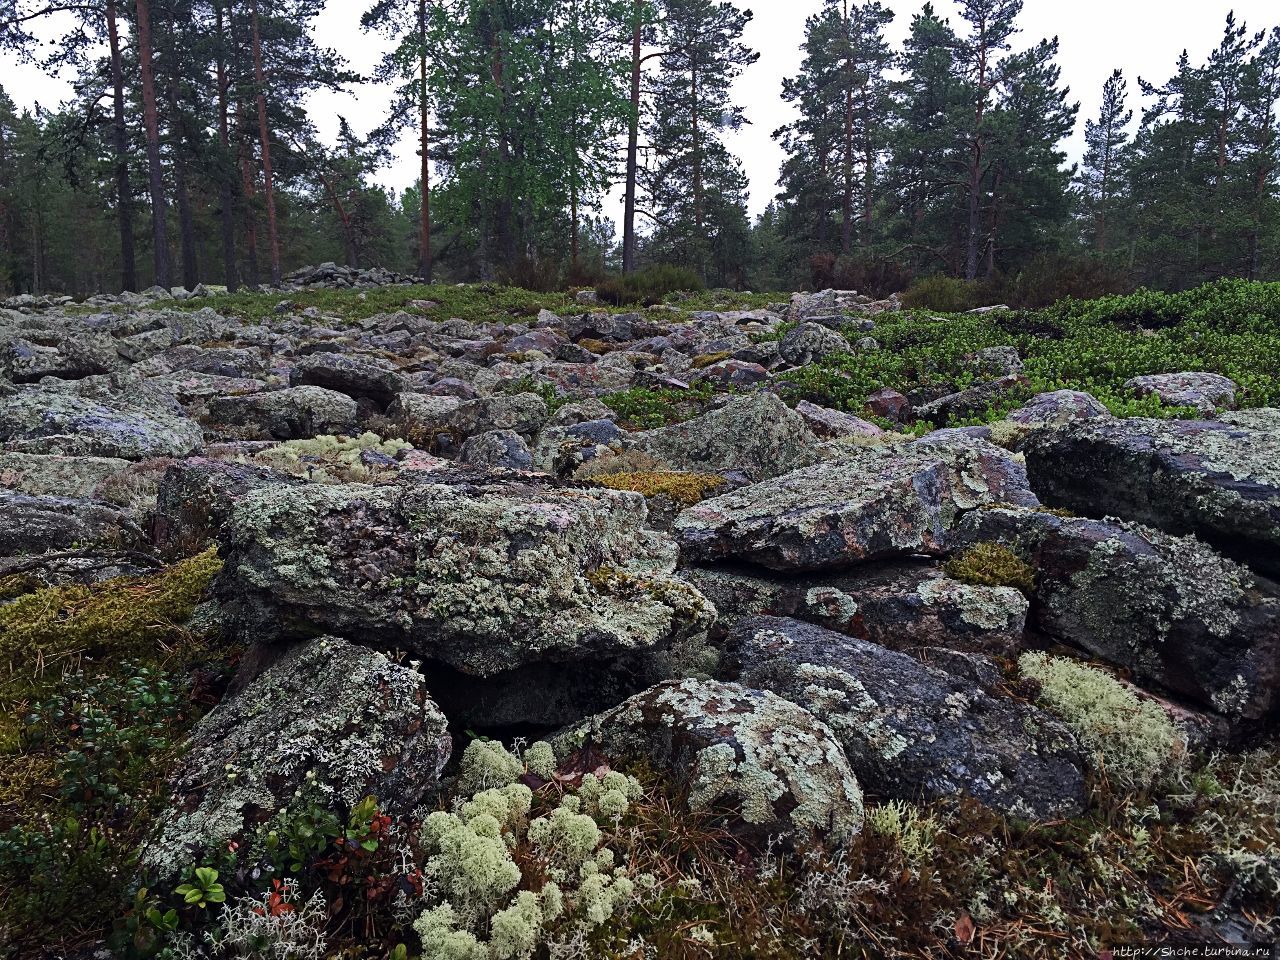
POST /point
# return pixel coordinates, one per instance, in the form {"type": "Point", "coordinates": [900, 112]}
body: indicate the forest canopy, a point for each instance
{"type": "Point", "coordinates": [188, 155]}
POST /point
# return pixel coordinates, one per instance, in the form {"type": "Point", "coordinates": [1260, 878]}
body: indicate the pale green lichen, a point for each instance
{"type": "Point", "coordinates": [331, 459]}
{"type": "Point", "coordinates": [1133, 741]}
{"type": "Point", "coordinates": [475, 857]}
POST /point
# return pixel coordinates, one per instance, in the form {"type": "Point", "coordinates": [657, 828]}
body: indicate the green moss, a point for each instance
{"type": "Point", "coordinates": [702, 361]}
{"type": "Point", "coordinates": [683, 488]}
{"type": "Point", "coordinates": [991, 565]}
{"type": "Point", "coordinates": [120, 618]}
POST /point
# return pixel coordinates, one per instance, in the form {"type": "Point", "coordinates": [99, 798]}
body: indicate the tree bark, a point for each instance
{"type": "Point", "coordinates": [120, 145]}
{"type": "Point", "coordinates": [264, 134]}
{"type": "Point", "coordinates": [633, 149]}
{"type": "Point", "coordinates": [425, 264]}
{"type": "Point", "coordinates": [150, 120]}
{"type": "Point", "coordinates": [226, 165]}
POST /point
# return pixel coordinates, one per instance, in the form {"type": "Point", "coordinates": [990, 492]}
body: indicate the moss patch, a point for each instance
{"type": "Point", "coordinates": [991, 565]}
{"type": "Point", "coordinates": [684, 488]}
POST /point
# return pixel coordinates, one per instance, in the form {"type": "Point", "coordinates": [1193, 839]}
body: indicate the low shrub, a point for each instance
{"type": "Point", "coordinates": [942, 294]}
{"type": "Point", "coordinates": [648, 286]}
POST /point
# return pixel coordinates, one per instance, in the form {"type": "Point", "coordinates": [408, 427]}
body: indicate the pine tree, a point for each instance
{"type": "Point", "coordinates": [927, 164]}
{"type": "Point", "coordinates": [1102, 172]}
{"type": "Point", "coordinates": [696, 190]}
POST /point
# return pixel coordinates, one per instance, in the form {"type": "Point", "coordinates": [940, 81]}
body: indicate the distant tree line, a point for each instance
{"type": "Point", "coordinates": [187, 153]}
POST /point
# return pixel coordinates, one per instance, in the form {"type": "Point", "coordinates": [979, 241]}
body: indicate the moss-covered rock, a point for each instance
{"type": "Point", "coordinates": [295, 413]}
{"type": "Point", "coordinates": [329, 724]}
{"type": "Point", "coordinates": [51, 475]}
{"type": "Point", "coordinates": [483, 576]}
{"type": "Point", "coordinates": [59, 421]}
{"type": "Point", "coordinates": [902, 605]}
{"type": "Point", "coordinates": [771, 766]}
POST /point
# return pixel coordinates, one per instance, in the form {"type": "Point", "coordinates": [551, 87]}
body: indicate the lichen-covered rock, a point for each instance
{"type": "Point", "coordinates": [830, 424]}
{"type": "Point", "coordinates": [775, 766]}
{"type": "Point", "coordinates": [497, 448]}
{"type": "Point", "coordinates": [195, 498]}
{"type": "Point", "coordinates": [330, 723]}
{"type": "Point", "coordinates": [358, 377]}
{"type": "Point", "coordinates": [809, 343]}
{"type": "Point", "coordinates": [54, 421]}
{"type": "Point", "coordinates": [1204, 391]}
{"type": "Point", "coordinates": [295, 413]}
{"type": "Point", "coordinates": [902, 605]}
{"type": "Point", "coordinates": [483, 575]}
{"type": "Point", "coordinates": [1058, 407]}
{"type": "Point", "coordinates": [1220, 481]}
{"type": "Point", "coordinates": [523, 413]}
{"type": "Point", "coordinates": [758, 435]}
{"type": "Point", "coordinates": [58, 476]}
{"type": "Point", "coordinates": [1170, 609]}
{"type": "Point", "coordinates": [35, 525]}
{"type": "Point", "coordinates": [912, 731]}
{"type": "Point", "coordinates": [877, 503]}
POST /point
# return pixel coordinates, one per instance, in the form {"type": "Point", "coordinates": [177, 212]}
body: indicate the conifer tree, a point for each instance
{"type": "Point", "coordinates": [1102, 172]}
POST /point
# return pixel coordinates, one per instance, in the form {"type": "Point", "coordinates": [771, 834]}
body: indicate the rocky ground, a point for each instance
{"type": "Point", "coordinates": [700, 634]}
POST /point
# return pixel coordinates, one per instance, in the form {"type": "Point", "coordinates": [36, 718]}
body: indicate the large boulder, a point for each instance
{"type": "Point", "coordinates": [295, 413]}
{"type": "Point", "coordinates": [63, 422]}
{"type": "Point", "coordinates": [329, 724]}
{"type": "Point", "coordinates": [358, 377]}
{"type": "Point", "coordinates": [903, 605]}
{"type": "Point", "coordinates": [1220, 481]}
{"type": "Point", "coordinates": [911, 731]}
{"type": "Point", "coordinates": [809, 343]}
{"type": "Point", "coordinates": [196, 497]}
{"type": "Point", "coordinates": [776, 768]}
{"type": "Point", "coordinates": [1204, 391]}
{"type": "Point", "coordinates": [58, 476]}
{"type": "Point", "coordinates": [484, 576]}
{"type": "Point", "coordinates": [757, 434]}
{"type": "Point", "coordinates": [877, 503]}
{"type": "Point", "coordinates": [34, 525]}
{"type": "Point", "coordinates": [1170, 609]}
{"type": "Point", "coordinates": [1058, 407]}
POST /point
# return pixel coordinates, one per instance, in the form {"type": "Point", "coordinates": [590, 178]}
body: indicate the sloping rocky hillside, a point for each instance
{"type": "Point", "coordinates": [704, 629]}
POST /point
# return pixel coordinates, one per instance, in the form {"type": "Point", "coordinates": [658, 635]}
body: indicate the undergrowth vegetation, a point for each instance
{"type": "Point", "coordinates": [1231, 327]}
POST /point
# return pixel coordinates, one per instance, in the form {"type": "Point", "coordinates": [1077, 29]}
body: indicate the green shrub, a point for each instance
{"type": "Point", "coordinates": [943, 294]}
{"type": "Point", "coordinates": [648, 286]}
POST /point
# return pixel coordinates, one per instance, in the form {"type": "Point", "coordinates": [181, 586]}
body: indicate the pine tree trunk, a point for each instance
{"type": "Point", "coordinates": [120, 145]}
{"type": "Point", "coordinates": [264, 134]}
{"type": "Point", "coordinates": [424, 228]}
{"type": "Point", "coordinates": [150, 120]}
{"type": "Point", "coordinates": [226, 165]}
{"type": "Point", "coordinates": [633, 150]}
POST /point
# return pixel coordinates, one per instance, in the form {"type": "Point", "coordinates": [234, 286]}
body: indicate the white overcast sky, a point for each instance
{"type": "Point", "coordinates": [1142, 36]}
